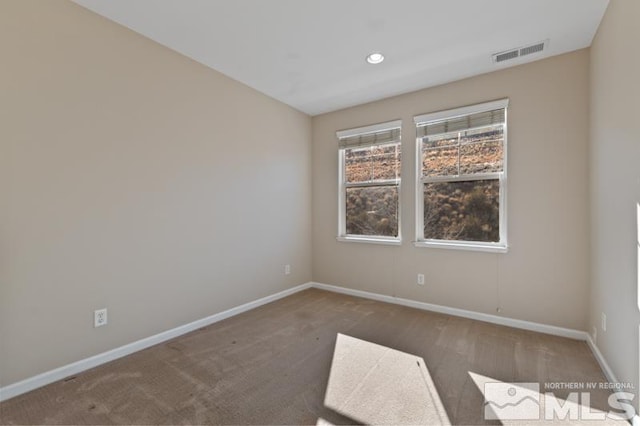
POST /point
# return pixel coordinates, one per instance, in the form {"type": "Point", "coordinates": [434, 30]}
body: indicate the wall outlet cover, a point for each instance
{"type": "Point", "coordinates": [100, 317]}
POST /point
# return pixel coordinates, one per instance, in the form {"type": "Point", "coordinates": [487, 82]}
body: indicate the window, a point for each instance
{"type": "Point", "coordinates": [461, 178]}
{"type": "Point", "coordinates": [369, 204]}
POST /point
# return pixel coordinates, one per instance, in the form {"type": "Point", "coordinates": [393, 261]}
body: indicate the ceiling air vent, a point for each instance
{"type": "Point", "coordinates": [520, 51]}
{"type": "Point", "coordinates": [505, 56]}
{"type": "Point", "coordinates": [535, 48]}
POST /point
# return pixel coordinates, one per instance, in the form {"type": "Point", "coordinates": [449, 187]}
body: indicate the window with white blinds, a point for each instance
{"type": "Point", "coordinates": [369, 196]}
{"type": "Point", "coordinates": [461, 177]}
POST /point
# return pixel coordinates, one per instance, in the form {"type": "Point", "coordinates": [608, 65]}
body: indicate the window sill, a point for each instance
{"type": "Point", "coordinates": [371, 240]}
{"type": "Point", "coordinates": [489, 248]}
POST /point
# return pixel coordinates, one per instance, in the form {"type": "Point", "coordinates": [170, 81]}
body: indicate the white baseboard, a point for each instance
{"type": "Point", "coordinates": [60, 373]}
{"type": "Point", "coordinates": [608, 373]}
{"type": "Point", "coordinates": [510, 322]}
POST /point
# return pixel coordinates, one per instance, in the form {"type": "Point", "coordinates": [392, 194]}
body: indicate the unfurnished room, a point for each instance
{"type": "Point", "coordinates": [319, 212]}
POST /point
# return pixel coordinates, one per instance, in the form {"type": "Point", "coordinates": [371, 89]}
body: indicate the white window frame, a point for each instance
{"type": "Point", "coordinates": [421, 241]}
{"type": "Point", "coordinates": [343, 185]}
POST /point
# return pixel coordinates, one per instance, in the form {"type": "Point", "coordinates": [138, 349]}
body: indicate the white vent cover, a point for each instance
{"type": "Point", "coordinates": [519, 52]}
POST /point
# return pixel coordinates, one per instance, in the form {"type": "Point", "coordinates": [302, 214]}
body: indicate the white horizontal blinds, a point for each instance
{"type": "Point", "coordinates": [370, 139]}
{"type": "Point", "coordinates": [461, 123]}
{"type": "Point", "coordinates": [375, 134]}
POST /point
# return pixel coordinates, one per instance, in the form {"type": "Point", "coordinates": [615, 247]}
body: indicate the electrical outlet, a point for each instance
{"type": "Point", "coordinates": [420, 279]}
{"type": "Point", "coordinates": [604, 322]}
{"type": "Point", "coordinates": [100, 317]}
{"type": "Point", "coordinates": [287, 269]}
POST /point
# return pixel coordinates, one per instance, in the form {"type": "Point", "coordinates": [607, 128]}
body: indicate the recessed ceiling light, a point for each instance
{"type": "Point", "coordinates": [375, 58]}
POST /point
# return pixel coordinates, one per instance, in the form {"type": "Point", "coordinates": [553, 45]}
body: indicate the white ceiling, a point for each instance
{"type": "Point", "coordinates": [310, 54]}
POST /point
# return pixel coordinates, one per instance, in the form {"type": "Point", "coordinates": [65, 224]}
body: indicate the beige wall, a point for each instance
{"type": "Point", "coordinates": [615, 187]}
{"type": "Point", "coordinates": [544, 276]}
{"type": "Point", "coordinates": [135, 179]}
